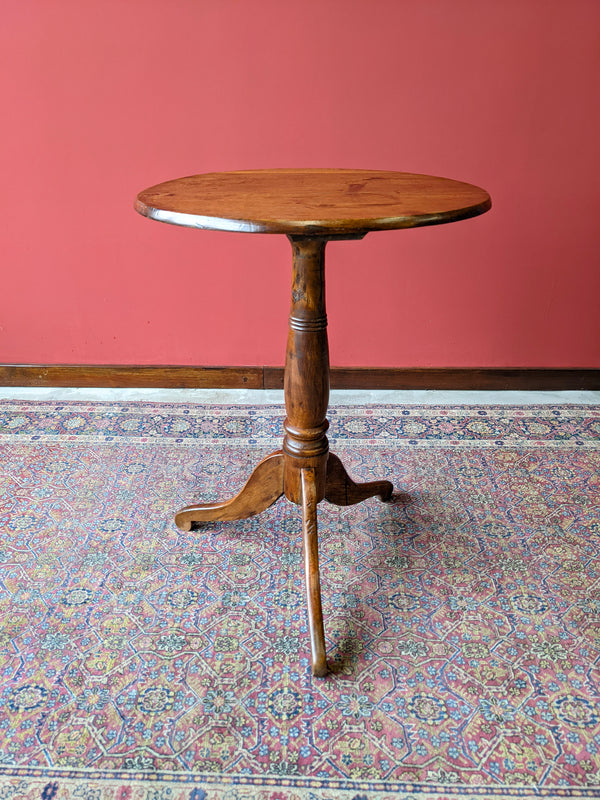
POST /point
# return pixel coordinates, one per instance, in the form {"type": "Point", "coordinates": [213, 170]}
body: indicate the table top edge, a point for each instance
{"type": "Point", "coordinates": [318, 228]}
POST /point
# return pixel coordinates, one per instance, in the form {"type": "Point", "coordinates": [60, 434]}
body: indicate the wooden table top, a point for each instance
{"type": "Point", "coordinates": [311, 202]}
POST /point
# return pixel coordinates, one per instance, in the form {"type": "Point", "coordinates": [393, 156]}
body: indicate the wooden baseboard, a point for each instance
{"type": "Point", "coordinates": [463, 379]}
{"type": "Point", "coordinates": [134, 376]}
{"type": "Point", "coordinates": [183, 377]}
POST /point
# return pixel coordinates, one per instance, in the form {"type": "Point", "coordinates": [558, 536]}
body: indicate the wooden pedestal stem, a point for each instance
{"type": "Point", "coordinates": [306, 383]}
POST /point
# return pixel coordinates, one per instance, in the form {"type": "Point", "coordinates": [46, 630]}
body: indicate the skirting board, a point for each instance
{"type": "Point", "coordinates": [189, 377]}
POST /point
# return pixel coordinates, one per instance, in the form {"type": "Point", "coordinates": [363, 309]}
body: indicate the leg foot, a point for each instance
{"type": "Point", "coordinates": [310, 543]}
{"type": "Point", "coordinates": [262, 489]}
{"type": "Point", "coordinates": [341, 490]}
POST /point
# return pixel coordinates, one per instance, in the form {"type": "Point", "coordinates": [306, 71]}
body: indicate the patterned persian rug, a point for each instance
{"type": "Point", "coordinates": [462, 619]}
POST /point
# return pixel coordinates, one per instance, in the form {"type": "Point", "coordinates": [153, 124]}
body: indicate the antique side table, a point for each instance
{"type": "Point", "coordinates": [311, 207]}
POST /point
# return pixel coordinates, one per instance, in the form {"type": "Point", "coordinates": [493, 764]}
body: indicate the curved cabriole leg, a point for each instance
{"type": "Point", "coordinates": [310, 542]}
{"type": "Point", "coordinates": [262, 489]}
{"type": "Point", "coordinates": [341, 490]}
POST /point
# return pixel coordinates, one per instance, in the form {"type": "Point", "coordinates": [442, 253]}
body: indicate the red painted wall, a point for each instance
{"type": "Point", "coordinates": [105, 97]}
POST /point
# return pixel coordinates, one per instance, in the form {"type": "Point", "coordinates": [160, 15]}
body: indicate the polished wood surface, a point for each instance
{"type": "Point", "coordinates": [311, 207]}
{"type": "Point", "coordinates": [311, 201]}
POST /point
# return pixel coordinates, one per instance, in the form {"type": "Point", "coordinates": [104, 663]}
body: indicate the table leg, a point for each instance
{"type": "Point", "coordinates": [341, 490]}
{"type": "Point", "coordinates": [310, 547]}
{"type": "Point", "coordinates": [262, 489]}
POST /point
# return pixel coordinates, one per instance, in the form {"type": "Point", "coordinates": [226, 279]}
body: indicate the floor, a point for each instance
{"type": "Point", "coordinates": [272, 396]}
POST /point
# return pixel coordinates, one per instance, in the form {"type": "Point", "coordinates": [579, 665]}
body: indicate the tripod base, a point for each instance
{"type": "Point", "coordinates": [265, 485]}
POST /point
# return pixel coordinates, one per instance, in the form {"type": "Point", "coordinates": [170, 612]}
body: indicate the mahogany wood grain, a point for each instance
{"type": "Point", "coordinates": [325, 202]}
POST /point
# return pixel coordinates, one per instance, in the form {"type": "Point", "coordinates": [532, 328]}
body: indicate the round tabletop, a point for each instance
{"type": "Point", "coordinates": [311, 202]}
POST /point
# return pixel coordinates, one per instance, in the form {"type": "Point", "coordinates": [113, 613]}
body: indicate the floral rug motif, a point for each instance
{"type": "Point", "coordinates": [462, 619]}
